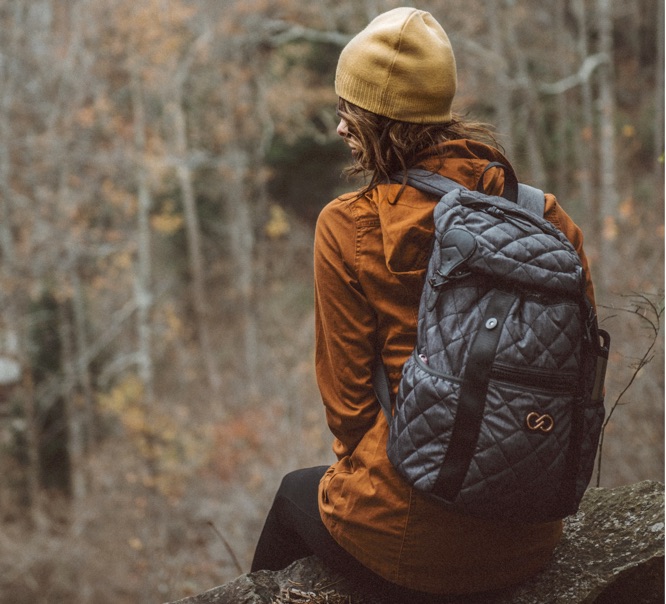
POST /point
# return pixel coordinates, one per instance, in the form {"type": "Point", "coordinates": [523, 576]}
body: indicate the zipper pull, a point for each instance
{"type": "Point", "coordinates": [521, 223]}
{"type": "Point", "coordinates": [494, 211]}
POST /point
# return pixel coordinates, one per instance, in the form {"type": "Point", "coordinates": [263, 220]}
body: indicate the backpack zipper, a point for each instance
{"type": "Point", "coordinates": [541, 379]}
{"type": "Point", "coordinates": [518, 217]}
{"type": "Point", "coordinates": [533, 378]}
{"type": "Point", "coordinates": [422, 362]}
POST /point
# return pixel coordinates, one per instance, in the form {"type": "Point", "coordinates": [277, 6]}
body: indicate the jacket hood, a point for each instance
{"type": "Point", "coordinates": [407, 219]}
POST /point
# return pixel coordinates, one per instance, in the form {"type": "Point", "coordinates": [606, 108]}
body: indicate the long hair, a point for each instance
{"type": "Point", "coordinates": [388, 147]}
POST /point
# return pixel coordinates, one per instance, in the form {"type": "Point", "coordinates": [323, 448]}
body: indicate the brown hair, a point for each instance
{"type": "Point", "coordinates": [389, 147]}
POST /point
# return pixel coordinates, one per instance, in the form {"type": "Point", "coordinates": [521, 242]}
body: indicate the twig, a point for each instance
{"type": "Point", "coordinates": [226, 544]}
{"type": "Point", "coordinates": [649, 312]}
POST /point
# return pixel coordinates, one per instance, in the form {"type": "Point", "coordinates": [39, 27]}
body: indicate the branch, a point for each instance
{"type": "Point", "coordinates": [195, 47]}
{"type": "Point", "coordinates": [651, 314]}
{"type": "Point", "coordinates": [227, 546]}
{"type": "Point", "coordinates": [283, 32]}
{"type": "Point", "coordinates": [584, 73]}
{"type": "Point", "coordinates": [493, 61]}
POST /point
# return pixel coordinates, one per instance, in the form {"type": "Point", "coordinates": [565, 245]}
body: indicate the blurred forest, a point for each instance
{"type": "Point", "coordinates": [162, 164]}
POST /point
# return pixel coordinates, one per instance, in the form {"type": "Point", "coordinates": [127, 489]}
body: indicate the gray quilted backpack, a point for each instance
{"type": "Point", "coordinates": [500, 407]}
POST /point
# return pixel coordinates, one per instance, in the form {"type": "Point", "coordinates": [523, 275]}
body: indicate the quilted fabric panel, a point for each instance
{"type": "Point", "coordinates": [514, 246]}
{"type": "Point", "coordinates": [512, 462]}
{"type": "Point", "coordinates": [515, 473]}
{"type": "Point", "coordinates": [446, 335]}
{"type": "Point", "coordinates": [538, 334]}
{"type": "Point", "coordinates": [543, 335]}
{"type": "Point", "coordinates": [422, 425]}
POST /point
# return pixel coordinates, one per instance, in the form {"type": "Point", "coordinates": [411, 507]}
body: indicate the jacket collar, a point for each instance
{"type": "Point", "coordinates": [406, 218]}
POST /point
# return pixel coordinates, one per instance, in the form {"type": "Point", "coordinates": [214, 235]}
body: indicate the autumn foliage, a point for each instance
{"type": "Point", "coordinates": [162, 163]}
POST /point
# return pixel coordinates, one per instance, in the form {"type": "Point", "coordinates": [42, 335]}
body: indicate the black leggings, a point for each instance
{"type": "Point", "coordinates": [294, 530]}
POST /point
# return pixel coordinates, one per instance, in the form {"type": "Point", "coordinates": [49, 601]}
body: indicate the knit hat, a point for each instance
{"type": "Point", "coordinates": [400, 66]}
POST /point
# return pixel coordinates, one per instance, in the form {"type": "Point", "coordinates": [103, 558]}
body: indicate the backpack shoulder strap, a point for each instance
{"type": "Point", "coordinates": [531, 199]}
{"type": "Point", "coordinates": [429, 182]}
{"type": "Point", "coordinates": [380, 383]}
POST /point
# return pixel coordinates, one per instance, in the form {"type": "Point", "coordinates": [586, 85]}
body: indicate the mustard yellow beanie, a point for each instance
{"type": "Point", "coordinates": [400, 66]}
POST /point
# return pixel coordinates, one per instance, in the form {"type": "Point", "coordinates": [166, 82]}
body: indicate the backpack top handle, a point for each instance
{"type": "Point", "coordinates": [510, 181]}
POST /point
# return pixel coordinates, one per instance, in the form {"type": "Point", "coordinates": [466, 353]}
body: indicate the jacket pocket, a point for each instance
{"type": "Point", "coordinates": [332, 481]}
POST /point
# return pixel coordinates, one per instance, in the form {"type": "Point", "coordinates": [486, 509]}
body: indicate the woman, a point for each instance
{"type": "Point", "coordinates": [396, 81]}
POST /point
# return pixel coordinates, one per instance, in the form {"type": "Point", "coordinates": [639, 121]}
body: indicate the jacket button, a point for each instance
{"type": "Point", "coordinates": [491, 323]}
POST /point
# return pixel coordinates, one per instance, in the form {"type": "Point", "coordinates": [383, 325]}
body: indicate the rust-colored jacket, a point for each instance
{"type": "Point", "coordinates": [370, 258]}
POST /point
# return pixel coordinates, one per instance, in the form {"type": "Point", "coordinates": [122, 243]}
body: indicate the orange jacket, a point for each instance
{"type": "Point", "coordinates": [370, 258]}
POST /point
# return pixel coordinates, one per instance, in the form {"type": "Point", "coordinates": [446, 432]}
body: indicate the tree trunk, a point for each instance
{"type": "Point", "coordinates": [562, 111]}
{"type": "Point", "coordinates": [12, 334]}
{"type": "Point", "coordinates": [75, 416]}
{"type": "Point", "coordinates": [72, 407]}
{"type": "Point", "coordinates": [606, 144]}
{"type": "Point", "coordinates": [142, 286]}
{"type": "Point", "coordinates": [503, 91]}
{"type": "Point", "coordinates": [585, 149]}
{"type": "Point", "coordinates": [194, 246]}
{"type": "Point", "coordinates": [659, 99]}
{"type": "Point", "coordinates": [243, 245]}
{"type": "Point", "coordinates": [529, 114]}
{"type": "Point", "coordinates": [36, 515]}
{"type": "Point", "coordinates": [82, 360]}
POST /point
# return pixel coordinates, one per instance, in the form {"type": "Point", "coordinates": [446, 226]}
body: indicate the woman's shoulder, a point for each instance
{"type": "Point", "coordinates": [353, 207]}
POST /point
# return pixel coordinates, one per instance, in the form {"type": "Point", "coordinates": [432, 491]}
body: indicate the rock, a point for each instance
{"type": "Point", "coordinates": [307, 580]}
{"type": "Point", "coordinates": [612, 552]}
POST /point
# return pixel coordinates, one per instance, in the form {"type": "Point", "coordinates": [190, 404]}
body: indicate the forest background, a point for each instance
{"type": "Point", "coordinates": [162, 164]}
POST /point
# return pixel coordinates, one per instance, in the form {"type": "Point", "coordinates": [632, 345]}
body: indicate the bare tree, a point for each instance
{"type": "Point", "coordinates": [659, 96]}
{"type": "Point", "coordinates": [502, 100]}
{"type": "Point", "coordinates": [528, 107]}
{"type": "Point", "coordinates": [12, 53]}
{"type": "Point", "coordinates": [607, 165]}
{"type": "Point", "coordinates": [185, 180]}
{"type": "Point", "coordinates": [585, 155]}
{"type": "Point", "coordinates": [143, 286]}
{"type": "Point", "coordinates": [564, 151]}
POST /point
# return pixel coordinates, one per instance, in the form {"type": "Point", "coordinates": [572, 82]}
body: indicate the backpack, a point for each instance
{"type": "Point", "coordinates": [500, 407]}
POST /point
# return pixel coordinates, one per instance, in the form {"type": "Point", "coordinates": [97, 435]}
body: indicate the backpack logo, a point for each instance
{"type": "Point", "coordinates": [539, 423]}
